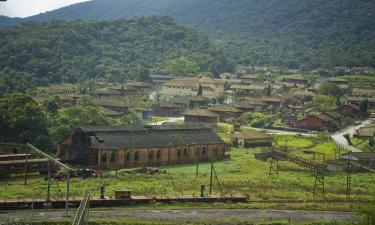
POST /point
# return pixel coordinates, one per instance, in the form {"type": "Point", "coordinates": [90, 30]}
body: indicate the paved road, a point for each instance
{"type": "Point", "coordinates": [216, 216]}
{"type": "Point", "coordinates": [339, 139]}
{"type": "Point", "coordinates": [170, 120]}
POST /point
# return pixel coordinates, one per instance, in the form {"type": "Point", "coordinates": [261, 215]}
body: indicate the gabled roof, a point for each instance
{"type": "Point", "coordinates": [224, 108]}
{"type": "Point", "coordinates": [201, 112]}
{"type": "Point", "coordinates": [333, 114]}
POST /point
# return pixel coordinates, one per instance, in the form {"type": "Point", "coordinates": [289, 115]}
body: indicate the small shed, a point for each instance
{"type": "Point", "coordinates": [250, 139]}
{"type": "Point", "coordinates": [123, 194]}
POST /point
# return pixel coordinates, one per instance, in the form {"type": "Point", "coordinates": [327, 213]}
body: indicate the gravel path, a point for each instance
{"type": "Point", "coordinates": [215, 216]}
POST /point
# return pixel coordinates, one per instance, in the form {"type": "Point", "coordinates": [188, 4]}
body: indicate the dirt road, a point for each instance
{"type": "Point", "coordinates": [214, 216]}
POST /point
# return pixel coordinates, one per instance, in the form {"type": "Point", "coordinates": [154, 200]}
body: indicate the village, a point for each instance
{"type": "Point", "coordinates": [244, 137]}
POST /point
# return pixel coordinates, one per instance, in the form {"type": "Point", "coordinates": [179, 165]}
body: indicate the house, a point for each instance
{"type": "Point", "coordinates": [359, 100]}
{"type": "Point", "coordinates": [140, 86]}
{"type": "Point", "coordinates": [107, 146]}
{"type": "Point", "coordinates": [169, 108]}
{"type": "Point", "coordinates": [366, 132]}
{"type": "Point", "coordinates": [158, 80]}
{"type": "Point", "coordinates": [117, 106]}
{"type": "Point", "coordinates": [337, 117]}
{"type": "Point", "coordinates": [300, 82]}
{"type": "Point", "coordinates": [226, 112]}
{"type": "Point", "coordinates": [142, 113]}
{"type": "Point", "coordinates": [318, 123]}
{"type": "Point", "coordinates": [338, 81]}
{"type": "Point", "coordinates": [251, 139]}
{"type": "Point", "coordinates": [249, 105]}
{"type": "Point", "coordinates": [366, 93]}
{"type": "Point", "coordinates": [271, 101]}
{"type": "Point", "coordinates": [349, 110]}
{"type": "Point", "coordinates": [249, 79]}
{"type": "Point", "coordinates": [111, 113]}
{"type": "Point", "coordinates": [203, 116]}
{"type": "Point", "coordinates": [108, 93]}
{"type": "Point", "coordinates": [190, 86]}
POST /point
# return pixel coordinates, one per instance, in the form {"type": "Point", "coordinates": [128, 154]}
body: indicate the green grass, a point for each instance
{"type": "Point", "coordinates": [241, 174]}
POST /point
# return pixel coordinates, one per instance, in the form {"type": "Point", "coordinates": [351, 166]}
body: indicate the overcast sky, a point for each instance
{"type": "Point", "coordinates": [25, 8]}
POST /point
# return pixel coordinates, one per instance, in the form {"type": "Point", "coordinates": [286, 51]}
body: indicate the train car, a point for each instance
{"type": "Point", "coordinates": [18, 166]}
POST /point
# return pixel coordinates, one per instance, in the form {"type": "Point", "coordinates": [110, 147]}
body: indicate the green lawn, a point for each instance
{"type": "Point", "coordinates": [240, 174]}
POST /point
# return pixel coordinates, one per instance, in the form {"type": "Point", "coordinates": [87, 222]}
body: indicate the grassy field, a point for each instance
{"type": "Point", "coordinates": [239, 174]}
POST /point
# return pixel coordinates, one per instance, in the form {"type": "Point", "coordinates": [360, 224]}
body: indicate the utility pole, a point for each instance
{"type": "Point", "coordinates": [26, 165]}
{"type": "Point", "coordinates": [349, 176]}
{"type": "Point", "coordinates": [49, 182]}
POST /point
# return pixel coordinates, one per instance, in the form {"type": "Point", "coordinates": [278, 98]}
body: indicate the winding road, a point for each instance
{"type": "Point", "coordinates": [339, 139]}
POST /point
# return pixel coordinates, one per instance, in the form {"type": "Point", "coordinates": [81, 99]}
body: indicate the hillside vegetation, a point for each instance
{"type": "Point", "coordinates": [61, 51]}
{"type": "Point", "coordinates": [289, 33]}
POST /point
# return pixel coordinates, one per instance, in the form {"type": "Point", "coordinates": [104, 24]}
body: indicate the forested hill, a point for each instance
{"type": "Point", "coordinates": [115, 50]}
{"type": "Point", "coordinates": [291, 33]}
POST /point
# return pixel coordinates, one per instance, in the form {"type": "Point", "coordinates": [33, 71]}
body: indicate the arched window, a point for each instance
{"type": "Point", "coordinates": [197, 151]}
{"type": "Point", "coordinates": [128, 156]}
{"type": "Point", "coordinates": [178, 153]}
{"type": "Point", "coordinates": [216, 153]}
{"type": "Point", "coordinates": [185, 152]}
{"type": "Point", "coordinates": [104, 157]}
{"type": "Point", "coordinates": [158, 154]}
{"type": "Point", "coordinates": [136, 156]}
{"type": "Point", "coordinates": [151, 155]}
{"type": "Point", "coordinates": [203, 151]}
{"type": "Point", "coordinates": [113, 156]}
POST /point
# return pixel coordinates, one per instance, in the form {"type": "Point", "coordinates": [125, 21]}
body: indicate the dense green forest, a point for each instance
{"type": "Point", "coordinates": [61, 51]}
{"type": "Point", "coordinates": [286, 33]}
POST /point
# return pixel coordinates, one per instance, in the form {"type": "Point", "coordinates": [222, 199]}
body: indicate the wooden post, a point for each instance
{"type": "Point", "coordinates": [67, 193]}
{"type": "Point", "coordinates": [49, 182]}
{"type": "Point", "coordinates": [26, 165]}
{"type": "Point", "coordinates": [212, 164]}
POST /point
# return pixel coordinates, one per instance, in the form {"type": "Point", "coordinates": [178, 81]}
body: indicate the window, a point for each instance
{"type": "Point", "coordinates": [136, 156]}
{"type": "Point", "coordinates": [113, 156]}
{"type": "Point", "coordinates": [178, 153]}
{"type": "Point", "coordinates": [197, 151]}
{"type": "Point", "coordinates": [185, 152]}
{"type": "Point", "coordinates": [216, 153]}
{"type": "Point", "coordinates": [128, 156]}
{"type": "Point", "coordinates": [203, 151]}
{"type": "Point", "coordinates": [104, 157]}
{"type": "Point", "coordinates": [15, 151]}
{"type": "Point", "coordinates": [158, 154]}
{"type": "Point", "coordinates": [151, 155]}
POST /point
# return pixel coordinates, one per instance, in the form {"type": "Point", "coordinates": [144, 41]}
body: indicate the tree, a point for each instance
{"type": "Point", "coordinates": [181, 67]}
{"type": "Point", "coordinates": [330, 89]}
{"type": "Point", "coordinates": [324, 102]}
{"type": "Point", "coordinates": [200, 90]}
{"type": "Point", "coordinates": [52, 104]}
{"type": "Point", "coordinates": [364, 106]}
{"type": "Point", "coordinates": [269, 90]}
{"type": "Point", "coordinates": [24, 120]}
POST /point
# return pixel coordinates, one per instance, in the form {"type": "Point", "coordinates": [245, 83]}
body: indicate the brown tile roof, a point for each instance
{"type": "Point", "coordinates": [201, 112]}
{"type": "Point", "coordinates": [224, 108]}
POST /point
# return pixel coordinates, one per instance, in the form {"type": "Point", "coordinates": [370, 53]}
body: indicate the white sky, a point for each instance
{"type": "Point", "coordinates": [25, 8]}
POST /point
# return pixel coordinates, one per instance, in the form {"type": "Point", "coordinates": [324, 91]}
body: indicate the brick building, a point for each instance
{"type": "Point", "coordinates": [108, 146]}
{"type": "Point", "coordinates": [203, 116]}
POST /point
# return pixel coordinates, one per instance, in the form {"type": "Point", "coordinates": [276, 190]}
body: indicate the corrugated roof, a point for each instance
{"type": "Point", "coordinates": [150, 136]}
{"type": "Point", "coordinates": [252, 135]}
